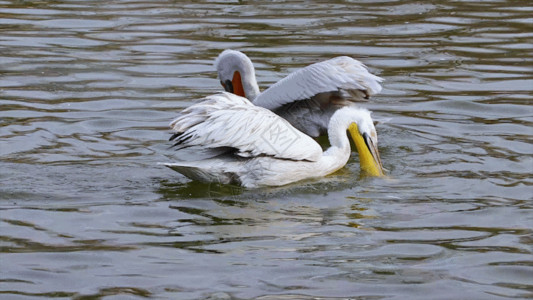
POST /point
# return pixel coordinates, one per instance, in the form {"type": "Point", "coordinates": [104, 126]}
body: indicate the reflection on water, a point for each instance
{"type": "Point", "coordinates": [87, 93]}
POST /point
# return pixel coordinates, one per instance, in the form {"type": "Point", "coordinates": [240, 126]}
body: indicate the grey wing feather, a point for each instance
{"type": "Point", "coordinates": [340, 74]}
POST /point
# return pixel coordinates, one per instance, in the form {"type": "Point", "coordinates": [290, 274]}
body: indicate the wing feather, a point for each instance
{"type": "Point", "coordinates": [227, 120]}
{"type": "Point", "coordinates": [337, 74]}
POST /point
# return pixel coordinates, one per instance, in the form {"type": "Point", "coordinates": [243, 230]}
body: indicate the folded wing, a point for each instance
{"type": "Point", "coordinates": [341, 74]}
{"type": "Point", "coordinates": [228, 121]}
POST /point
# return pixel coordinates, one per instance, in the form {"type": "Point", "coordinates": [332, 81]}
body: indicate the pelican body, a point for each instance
{"type": "Point", "coordinates": [256, 147]}
{"type": "Point", "coordinates": [307, 98]}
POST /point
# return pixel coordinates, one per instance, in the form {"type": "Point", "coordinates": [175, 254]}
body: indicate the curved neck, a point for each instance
{"type": "Point", "coordinates": [337, 129]}
{"type": "Point", "coordinates": [230, 63]}
{"type": "Point", "coordinates": [249, 84]}
{"type": "Point", "coordinates": [338, 124]}
{"type": "Point", "coordinates": [336, 156]}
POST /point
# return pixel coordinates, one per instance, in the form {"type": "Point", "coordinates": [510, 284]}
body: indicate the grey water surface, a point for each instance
{"type": "Point", "coordinates": [87, 89]}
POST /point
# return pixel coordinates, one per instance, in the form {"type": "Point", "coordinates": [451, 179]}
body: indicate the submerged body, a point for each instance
{"type": "Point", "coordinates": [255, 147]}
{"type": "Point", "coordinates": [257, 172]}
{"type": "Point", "coordinates": [307, 98]}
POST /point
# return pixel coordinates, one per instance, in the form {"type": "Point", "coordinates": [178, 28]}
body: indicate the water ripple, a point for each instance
{"type": "Point", "coordinates": [87, 92]}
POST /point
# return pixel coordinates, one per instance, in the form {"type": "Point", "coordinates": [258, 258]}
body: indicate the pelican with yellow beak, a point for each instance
{"type": "Point", "coordinates": [255, 147]}
{"type": "Point", "coordinates": [306, 98]}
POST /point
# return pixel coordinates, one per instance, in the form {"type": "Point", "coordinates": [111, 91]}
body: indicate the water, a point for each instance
{"type": "Point", "coordinates": [87, 90]}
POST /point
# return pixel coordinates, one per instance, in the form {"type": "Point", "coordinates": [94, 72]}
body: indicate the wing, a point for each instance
{"type": "Point", "coordinates": [228, 121]}
{"type": "Point", "coordinates": [341, 76]}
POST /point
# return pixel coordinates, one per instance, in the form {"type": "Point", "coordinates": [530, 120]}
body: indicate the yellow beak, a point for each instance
{"type": "Point", "coordinates": [368, 152]}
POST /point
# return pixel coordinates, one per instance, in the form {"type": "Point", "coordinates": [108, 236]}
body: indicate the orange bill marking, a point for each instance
{"type": "Point", "coordinates": [237, 84]}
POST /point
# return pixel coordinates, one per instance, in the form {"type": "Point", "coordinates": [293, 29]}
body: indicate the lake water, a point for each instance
{"type": "Point", "coordinates": [87, 89]}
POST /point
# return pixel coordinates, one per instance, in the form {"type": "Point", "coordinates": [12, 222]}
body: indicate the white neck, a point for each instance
{"type": "Point", "coordinates": [339, 123]}
{"type": "Point", "coordinates": [249, 84]}
{"type": "Point", "coordinates": [336, 156]}
{"type": "Point", "coordinates": [230, 61]}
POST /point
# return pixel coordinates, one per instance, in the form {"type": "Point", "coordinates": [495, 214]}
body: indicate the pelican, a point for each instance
{"type": "Point", "coordinates": [306, 98]}
{"type": "Point", "coordinates": [256, 147]}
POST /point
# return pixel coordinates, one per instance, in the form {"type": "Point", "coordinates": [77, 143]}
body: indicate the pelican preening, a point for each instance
{"type": "Point", "coordinates": [268, 143]}
{"type": "Point", "coordinates": [306, 98]}
{"type": "Point", "coordinates": [256, 147]}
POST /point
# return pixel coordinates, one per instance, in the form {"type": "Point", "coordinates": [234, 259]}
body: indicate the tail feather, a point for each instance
{"type": "Point", "coordinates": [203, 173]}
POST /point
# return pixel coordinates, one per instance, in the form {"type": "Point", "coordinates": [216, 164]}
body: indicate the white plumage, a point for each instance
{"type": "Point", "coordinates": [227, 120]}
{"type": "Point", "coordinates": [340, 73]}
{"type": "Point", "coordinates": [306, 98]}
{"type": "Point", "coordinates": [258, 148]}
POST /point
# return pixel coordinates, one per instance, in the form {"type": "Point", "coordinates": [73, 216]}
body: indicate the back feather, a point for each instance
{"type": "Point", "coordinates": [227, 120]}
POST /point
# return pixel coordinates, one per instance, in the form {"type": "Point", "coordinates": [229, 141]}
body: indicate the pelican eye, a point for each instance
{"type": "Point", "coordinates": [228, 86]}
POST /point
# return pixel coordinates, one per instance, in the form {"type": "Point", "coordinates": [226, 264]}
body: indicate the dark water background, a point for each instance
{"type": "Point", "coordinates": [87, 89]}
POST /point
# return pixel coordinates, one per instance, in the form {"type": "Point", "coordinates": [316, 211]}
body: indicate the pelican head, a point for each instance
{"type": "Point", "coordinates": [237, 74]}
{"type": "Point", "coordinates": [360, 125]}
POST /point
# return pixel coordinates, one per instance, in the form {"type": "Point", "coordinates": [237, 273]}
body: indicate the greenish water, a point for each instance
{"type": "Point", "coordinates": [87, 90]}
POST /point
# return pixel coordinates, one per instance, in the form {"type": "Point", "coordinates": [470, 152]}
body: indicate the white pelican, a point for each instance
{"type": "Point", "coordinates": [255, 147]}
{"type": "Point", "coordinates": [306, 98]}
